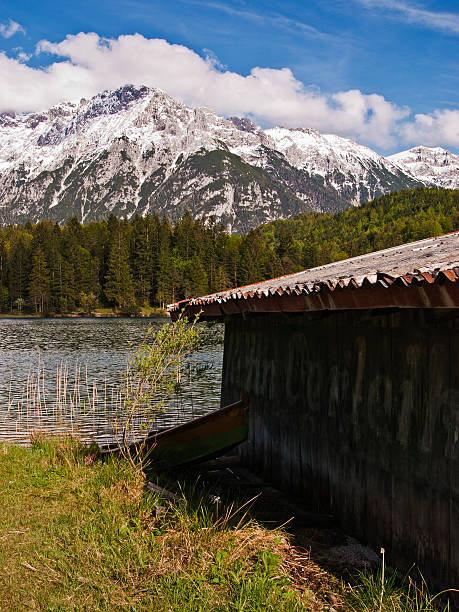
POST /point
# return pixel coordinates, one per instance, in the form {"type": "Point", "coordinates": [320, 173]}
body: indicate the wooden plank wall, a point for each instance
{"type": "Point", "coordinates": [358, 412]}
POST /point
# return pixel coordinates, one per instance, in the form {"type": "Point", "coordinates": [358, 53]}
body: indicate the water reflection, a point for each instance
{"type": "Point", "coordinates": [43, 360]}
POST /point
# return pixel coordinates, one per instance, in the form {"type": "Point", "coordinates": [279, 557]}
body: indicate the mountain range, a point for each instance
{"type": "Point", "coordinates": [137, 150]}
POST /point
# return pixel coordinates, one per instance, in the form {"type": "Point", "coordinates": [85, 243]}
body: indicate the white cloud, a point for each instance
{"type": "Point", "coordinates": [88, 64]}
{"type": "Point", "coordinates": [24, 57]}
{"type": "Point", "coordinates": [438, 128]}
{"type": "Point", "coordinates": [434, 20]}
{"type": "Point", "coordinates": [7, 30]}
{"type": "Point", "coordinates": [21, 55]}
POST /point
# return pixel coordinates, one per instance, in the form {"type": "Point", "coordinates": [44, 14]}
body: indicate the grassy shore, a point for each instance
{"type": "Point", "coordinates": [79, 533]}
{"type": "Point", "coordinates": [96, 313]}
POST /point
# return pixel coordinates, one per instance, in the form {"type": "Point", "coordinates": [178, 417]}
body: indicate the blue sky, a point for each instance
{"type": "Point", "coordinates": [383, 72]}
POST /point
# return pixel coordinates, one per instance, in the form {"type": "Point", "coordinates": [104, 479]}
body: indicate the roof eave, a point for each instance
{"type": "Point", "coordinates": [443, 293]}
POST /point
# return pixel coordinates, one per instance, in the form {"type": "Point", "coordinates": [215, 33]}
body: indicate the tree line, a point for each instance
{"type": "Point", "coordinates": [145, 262]}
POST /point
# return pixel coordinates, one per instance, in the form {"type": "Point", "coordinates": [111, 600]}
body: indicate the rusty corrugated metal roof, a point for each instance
{"type": "Point", "coordinates": [422, 274]}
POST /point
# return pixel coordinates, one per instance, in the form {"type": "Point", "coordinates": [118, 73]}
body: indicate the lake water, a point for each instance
{"type": "Point", "coordinates": [64, 375]}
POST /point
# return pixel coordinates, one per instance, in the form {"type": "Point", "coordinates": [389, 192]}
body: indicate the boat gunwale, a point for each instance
{"type": "Point", "coordinates": [210, 416]}
{"type": "Point", "coordinates": [153, 437]}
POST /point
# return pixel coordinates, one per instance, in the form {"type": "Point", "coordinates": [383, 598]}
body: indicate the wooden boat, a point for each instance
{"type": "Point", "coordinates": [199, 439]}
{"type": "Point", "coordinates": [202, 438]}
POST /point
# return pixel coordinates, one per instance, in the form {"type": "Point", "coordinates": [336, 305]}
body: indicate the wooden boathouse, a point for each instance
{"type": "Point", "coordinates": [352, 377]}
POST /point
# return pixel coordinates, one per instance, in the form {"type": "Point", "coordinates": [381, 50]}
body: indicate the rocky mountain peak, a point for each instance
{"type": "Point", "coordinates": [244, 124]}
{"type": "Point", "coordinates": [112, 102]}
{"type": "Point", "coordinates": [7, 119]}
{"type": "Point", "coordinates": [431, 165]}
{"type": "Point", "coordinates": [137, 150]}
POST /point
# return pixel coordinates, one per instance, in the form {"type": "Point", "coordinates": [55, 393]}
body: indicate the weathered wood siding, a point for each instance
{"type": "Point", "coordinates": [358, 412]}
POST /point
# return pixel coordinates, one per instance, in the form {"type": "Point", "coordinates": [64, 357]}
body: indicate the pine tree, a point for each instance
{"type": "Point", "coordinates": [39, 284]}
{"type": "Point", "coordinates": [253, 250]}
{"type": "Point", "coordinates": [233, 259]}
{"type": "Point", "coordinates": [86, 273]}
{"type": "Point", "coordinates": [167, 272]}
{"type": "Point", "coordinates": [4, 293]}
{"type": "Point", "coordinates": [143, 259]}
{"type": "Point", "coordinates": [63, 286]}
{"type": "Point", "coordinates": [194, 281]}
{"type": "Point", "coordinates": [167, 278]}
{"type": "Point", "coordinates": [119, 287]}
{"type": "Point", "coordinates": [211, 232]}
{"type": "Point", "coordinates": [18, 268]}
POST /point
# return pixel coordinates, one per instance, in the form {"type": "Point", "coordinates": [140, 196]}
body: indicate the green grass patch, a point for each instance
{"type": "Point", "coordinates": [79, 533]}
{"type": "Point", "coordinates": [374, 592]}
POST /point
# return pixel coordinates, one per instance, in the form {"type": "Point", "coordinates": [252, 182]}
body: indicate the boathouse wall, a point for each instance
{"type": "Point", "coordinates": [357, 412]}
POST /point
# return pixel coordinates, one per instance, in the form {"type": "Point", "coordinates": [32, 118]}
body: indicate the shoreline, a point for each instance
{"type": "Point", "coordinates": [103, 314]}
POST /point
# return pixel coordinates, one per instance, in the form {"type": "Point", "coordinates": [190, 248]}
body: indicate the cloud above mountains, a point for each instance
{"type": "Point", "coordinates": [7, 30]}
{"type": "Point", "coordinates": [438, 128]}
{"type": "Point", "coordinates": [85, 64]}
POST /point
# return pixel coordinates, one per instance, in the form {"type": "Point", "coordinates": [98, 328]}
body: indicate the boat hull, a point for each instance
{"type": "Point", "coordinates": [201, 438]}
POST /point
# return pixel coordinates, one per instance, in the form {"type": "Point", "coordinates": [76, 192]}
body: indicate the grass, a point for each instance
{"type": "Point", "coordinates": [82, 534]}
{"type": "Point", "coordinates": [373, 592]}
{"type": "Point", "coordinates": [18, 315]}
{"type": "Point", "coordinates": [79, 533]}
{"type": "Point", "coordinates": [143, 311]}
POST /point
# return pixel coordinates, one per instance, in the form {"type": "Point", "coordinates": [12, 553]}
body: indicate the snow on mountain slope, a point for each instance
{"type": "Point", "coordinates": [350, 168]}
{"type": "Point", "coordinates": [149, 118]}
{"type": "Point", "coordinates": [115, 153]}
{"type": "Point", "coordinates": [137, 150]}
{"type": "Point", "coordinates": [430, 165]}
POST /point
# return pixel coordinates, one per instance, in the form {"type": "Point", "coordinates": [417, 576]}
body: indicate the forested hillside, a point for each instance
{"type": "Point", "coordinates": [127, 265]}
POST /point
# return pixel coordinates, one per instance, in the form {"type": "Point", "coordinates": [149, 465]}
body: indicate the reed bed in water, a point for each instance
{"type": "Point", "coordinates": [70, 402]}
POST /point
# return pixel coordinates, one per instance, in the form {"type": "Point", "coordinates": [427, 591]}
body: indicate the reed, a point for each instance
{"type": "Point", "coordinates": [70, 401]}
{"type": "Point", "coordinates": [65, 404]}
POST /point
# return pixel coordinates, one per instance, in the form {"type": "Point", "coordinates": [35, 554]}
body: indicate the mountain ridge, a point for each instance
{"type": "Point", "coordinates": [137, 150]}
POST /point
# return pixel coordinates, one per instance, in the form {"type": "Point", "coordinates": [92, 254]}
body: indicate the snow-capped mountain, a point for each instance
{"type": "Point", "coordinates": [137, 150]}
{"type": "Point", "coordinates": [430, 165]}
{"type": "Point", "coordinates": [353, 170]}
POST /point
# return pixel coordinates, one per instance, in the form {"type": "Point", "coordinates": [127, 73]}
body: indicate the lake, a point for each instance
{"type": "Point", "coordinates": [64, 375]}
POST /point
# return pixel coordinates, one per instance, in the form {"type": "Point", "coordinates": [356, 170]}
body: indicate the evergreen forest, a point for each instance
{"type": "Point", "coordinates": [133, 265]}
